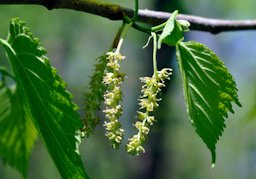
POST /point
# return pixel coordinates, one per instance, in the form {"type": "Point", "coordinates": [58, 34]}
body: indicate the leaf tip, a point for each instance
{"type": "Point", "coordinates": [238, 103]}
{"type": "Point", "coordinates": [213, 158]}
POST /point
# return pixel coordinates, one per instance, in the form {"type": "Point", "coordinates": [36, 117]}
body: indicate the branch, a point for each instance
{"type": "Point", "coordinates": [116, 12]}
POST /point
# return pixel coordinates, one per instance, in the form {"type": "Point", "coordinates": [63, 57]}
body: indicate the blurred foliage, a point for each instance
{"type": "Point", "coordinates": [88, 36]}
{"type": "Point", "coordinates": [233, 9]}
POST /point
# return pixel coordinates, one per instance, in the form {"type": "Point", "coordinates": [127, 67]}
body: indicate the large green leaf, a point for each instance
{"type": "Point", "coordinates": [46, 100]}
{"type": "Point", "coordinates": [17, 133]}
{"type": "Point", "coordinates": [209, 90]}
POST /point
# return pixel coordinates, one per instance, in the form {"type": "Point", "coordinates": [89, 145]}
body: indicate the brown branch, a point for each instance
{"type": "Point", "coordinates": [116, 12]}
{"type": "Point", "coordinates": [199, 23]}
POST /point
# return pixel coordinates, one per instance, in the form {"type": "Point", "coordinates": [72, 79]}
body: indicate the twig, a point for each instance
{"type": "Point", "coordinates": [116, 12]}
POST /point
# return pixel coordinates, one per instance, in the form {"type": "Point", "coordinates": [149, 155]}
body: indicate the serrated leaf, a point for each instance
{"type": "Point", "coordinates": [173, 31]}
{"type": "Point", "coordinates": [17, 133]}
{"type": "Point", "coordinates": [44, 95]}
{"type": "Point", "coordinates": [209, 89]}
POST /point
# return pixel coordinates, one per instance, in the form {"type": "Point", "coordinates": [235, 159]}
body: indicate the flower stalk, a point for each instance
{"type": "Point", "coordinates": [148, 102]}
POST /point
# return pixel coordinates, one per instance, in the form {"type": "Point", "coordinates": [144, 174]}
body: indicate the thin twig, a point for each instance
{"type": "Point", "coordinates": [116, 12]}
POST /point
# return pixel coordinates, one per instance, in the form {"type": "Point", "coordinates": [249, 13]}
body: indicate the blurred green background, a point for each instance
{"type": "Point", "coordinates": [75, 39]}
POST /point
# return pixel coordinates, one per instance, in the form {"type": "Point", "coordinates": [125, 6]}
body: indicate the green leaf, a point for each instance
{"type": "Point", "coordinates": [17, 133]}
{"type": "Point", "coordinates": [209, 89]}
{"type": "Point", "coordinates": [46, 100]}
{"type": "Point", "coordinates": [173, 31]}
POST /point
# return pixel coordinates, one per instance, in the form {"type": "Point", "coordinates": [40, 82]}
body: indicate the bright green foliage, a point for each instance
{"type": "Point", "coordinates": [208, 87]}
{"type": "Point", "coordinates": [17, 132]}
{"type": "Point", "coordinates": [45, 99]}
{"type": "Point", "coordinates": [94, 96]}
{"type": "Point", "coordinates": [39, 103]}
{"type": "Point", "coordinates": [173, 31]}
{"type": "Point", "coordinates": [209, 90]}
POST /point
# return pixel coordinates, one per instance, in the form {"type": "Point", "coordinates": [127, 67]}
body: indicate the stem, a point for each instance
{"type": "Point", "coordinates": [154, 53]}
{"type": "Point", "coordinates": [117, 37]}
{"type": "Point", "coordinates": [136, 10]}
{"type": "Point", "coordinates": [126, 26]}
{"type": "Point", "coordinates": [158, 27]}
{"type": "Point", "coordinates": [141, 28]}
{"type": "Point", "coordinates": [122, 36]}
{"type": "Point", "coordinates": [137, 26]}
{"type": "Point", "coordinates": [119, 45]}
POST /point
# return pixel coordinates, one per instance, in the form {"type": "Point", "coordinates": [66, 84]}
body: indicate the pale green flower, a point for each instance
{"type": "Point", "coordinates": [148, 102]}
{"type": "Point", "coordinates": [113, 95]}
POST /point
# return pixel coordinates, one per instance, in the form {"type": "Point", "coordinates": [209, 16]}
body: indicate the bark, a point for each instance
{"type": "Point", "coordinates": [116, 12]}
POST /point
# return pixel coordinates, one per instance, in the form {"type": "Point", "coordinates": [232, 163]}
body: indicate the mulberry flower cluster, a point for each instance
{"type": "Point", "coordinates": [147, 102]}
{"type": "Point", "coordinates": [94, 97]}
{"type": "Point", "coordinates": [113, 95]}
